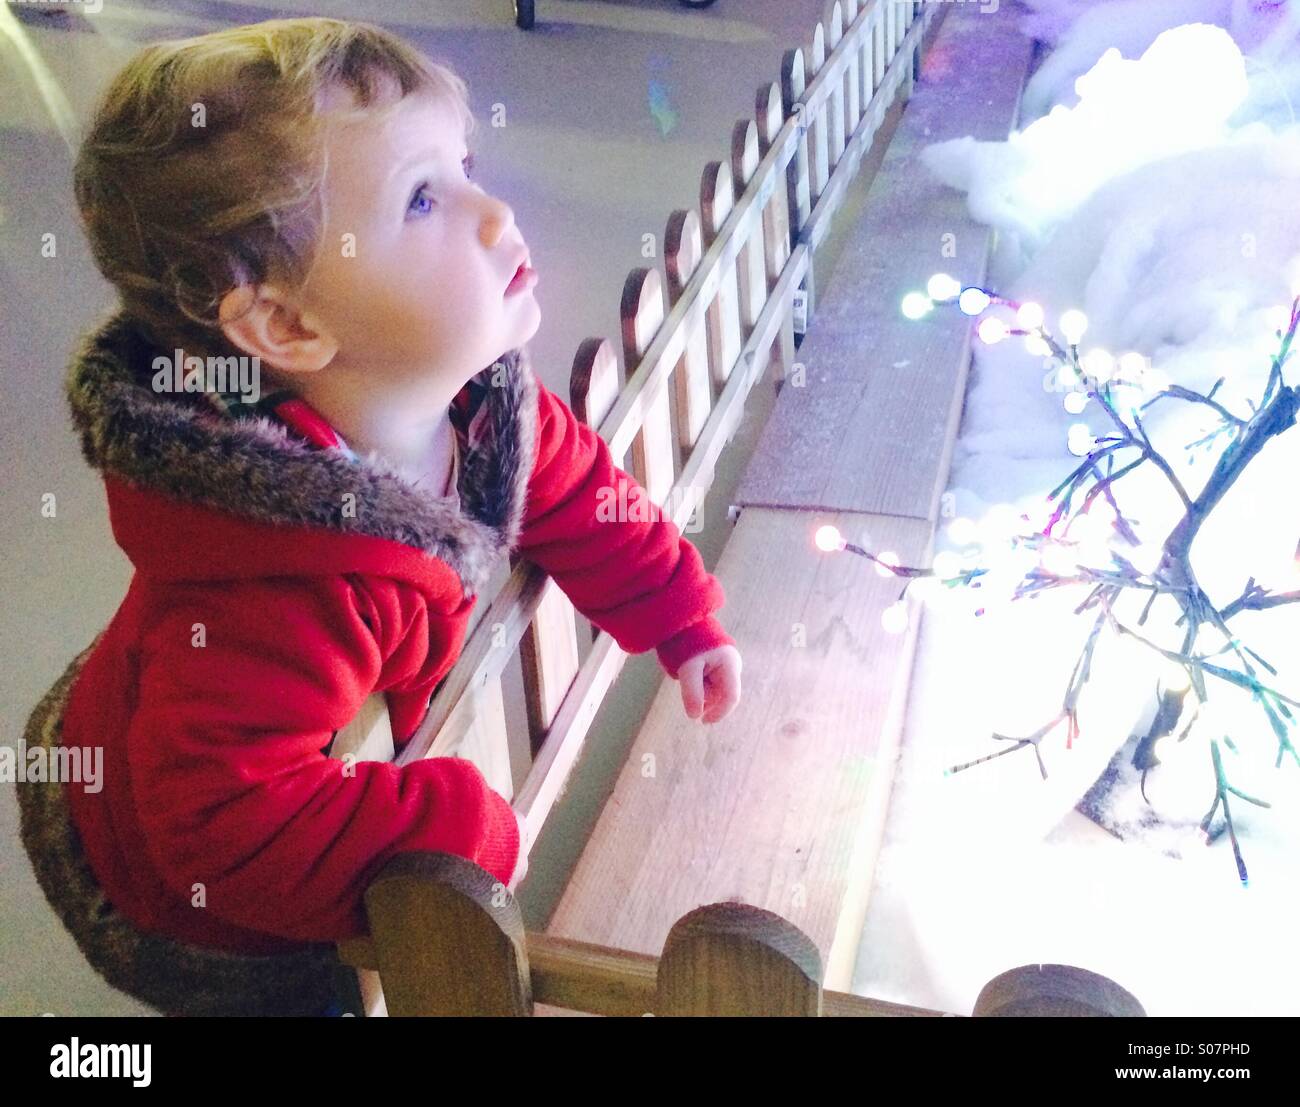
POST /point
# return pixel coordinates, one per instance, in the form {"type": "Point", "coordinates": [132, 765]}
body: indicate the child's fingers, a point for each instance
{"type": "Point", "coordinates": [691, 678]}
{"type": "Point", "coordinates": [723, 693]}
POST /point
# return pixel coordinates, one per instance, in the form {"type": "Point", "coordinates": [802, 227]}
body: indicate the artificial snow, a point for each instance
{"type": "Point", "coordinates": [1189, 257]}
{"type": "Point", "coordinates": [1083, 30]}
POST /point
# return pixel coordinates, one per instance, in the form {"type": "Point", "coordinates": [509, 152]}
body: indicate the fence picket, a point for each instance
{"type": "Point", "coordinates": [818, 146]}
{"type": "Point", "coordinates": [683, 248]}
{"type": "Point", "coordinates": [752, 267]}
{"type": "Point", "coordinates": [833, 30]}
{"type": "Point", "coordinates": [722, 319]}
{"type": "Point", "coordinates": [776, 221]}
{"type": "Point", "coordinates": [642, 314]}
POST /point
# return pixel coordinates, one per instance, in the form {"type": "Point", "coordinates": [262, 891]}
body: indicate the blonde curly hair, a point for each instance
{"type": "Point", "coordinates": [203, 165]}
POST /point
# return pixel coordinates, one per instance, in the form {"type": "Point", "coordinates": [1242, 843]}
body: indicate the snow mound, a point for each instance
{"type": "Point", "coordinates": [1176, 97]}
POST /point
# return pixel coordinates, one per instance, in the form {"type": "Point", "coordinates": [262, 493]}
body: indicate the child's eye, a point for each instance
{"type": "Point", "coordinates": [417, 196]}
{"type": "Point", "coordinates": [467, 163]}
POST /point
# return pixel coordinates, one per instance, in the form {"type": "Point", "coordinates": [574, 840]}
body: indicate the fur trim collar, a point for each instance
{"type": "Point", "coordinates": [178, 446]}
{"type": "Point", "coordinates": [167, 974]}
{"type": "Point", "coordinates": [254, 467]}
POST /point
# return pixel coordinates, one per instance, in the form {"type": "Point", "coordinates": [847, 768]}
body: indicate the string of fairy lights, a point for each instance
{"type": "Point", "coordinates": [1099, 547]}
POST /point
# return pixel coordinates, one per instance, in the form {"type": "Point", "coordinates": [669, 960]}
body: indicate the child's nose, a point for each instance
{"type": "Point", "coordinates": [498, 218]}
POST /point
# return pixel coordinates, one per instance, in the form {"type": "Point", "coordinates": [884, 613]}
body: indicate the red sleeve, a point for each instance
{"type": "Point", "coordinates": [231, 784]}
{"type": "Point", "coordinates": [640, 580]}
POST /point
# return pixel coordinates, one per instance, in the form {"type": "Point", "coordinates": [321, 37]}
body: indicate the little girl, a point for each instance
{"type": "Point", "coordinates": [294, 193]}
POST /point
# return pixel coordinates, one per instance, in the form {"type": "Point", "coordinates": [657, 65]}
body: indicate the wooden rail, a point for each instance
{"type": "Point", "coordinates": [449, 942]}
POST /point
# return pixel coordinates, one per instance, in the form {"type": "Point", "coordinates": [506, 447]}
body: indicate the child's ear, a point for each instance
{"type": "Point", "coordinates": [266, 323]}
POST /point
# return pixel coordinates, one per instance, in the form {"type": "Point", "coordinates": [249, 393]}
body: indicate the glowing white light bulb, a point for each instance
{"type": "Point", "coordinates": [973, 300]}
{"type": "Point", "coordinates": [1073, 324]}
{"type": "Point", "coordinates": [828, 539]}
{"type": "Point", "coordinates": [916, 305]}
{"type": "Point", "coordinates": [1132, 367]}
{"type": "Point", "coordinates": [942, 287]}
{"type": "Point", "coordinates": [1075, 402]}
{"type": "Point", "coordinates": [1079, 440]}
{"type": "Point", "coordinates": [894, 617]}
{"type": "Point", "coordinates": [963, 531]}
{"type": "Point", "coordinates": [890, 558]}
{"type": "Point", "coordinates": [992, 330]}
{"type": "Point", "coordinates": [1037, 345]}
{"type": "Point", "coordinates": [1098, 364]}
{"type": "Point", "coordinates": [1029, 316]}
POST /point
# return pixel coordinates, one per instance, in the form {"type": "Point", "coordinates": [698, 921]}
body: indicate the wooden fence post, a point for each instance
{"type": "Point", "coordinates": [736, 959]}
{"type": "Point", "coordinates": [1055, 990]}
{"type": "Point", "coordinates": [448, 938]}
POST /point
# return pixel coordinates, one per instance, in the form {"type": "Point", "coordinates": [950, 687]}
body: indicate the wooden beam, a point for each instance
{"type": "Point", "coordinates": [872, 427]}
{"type": "Point", "coordinates": [781, 805]}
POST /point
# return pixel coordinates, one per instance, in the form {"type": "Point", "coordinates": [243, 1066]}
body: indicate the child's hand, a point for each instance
{"type": "Point", "coordinates": [711, 683]}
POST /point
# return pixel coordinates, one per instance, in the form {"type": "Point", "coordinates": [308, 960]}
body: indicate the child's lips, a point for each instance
{"type": "Point", "coordinates": [525, 277]}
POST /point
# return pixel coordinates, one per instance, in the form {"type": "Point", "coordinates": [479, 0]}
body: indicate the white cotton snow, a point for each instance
{"type": "Point", "coordinates": [1083, 30]}
{"type": "Point", "coordinates": [1188, 256]}
{"type": "Point", "coordinates": [1176, 97]}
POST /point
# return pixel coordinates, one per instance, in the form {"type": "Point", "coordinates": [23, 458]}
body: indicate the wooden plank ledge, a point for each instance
{"type": "Point", "coordinates": [781, 805]}
{"type": "Point", "coordinates": [871, 429]}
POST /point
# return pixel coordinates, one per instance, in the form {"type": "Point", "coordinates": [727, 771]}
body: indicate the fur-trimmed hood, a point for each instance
{"type": "Point", "coordinates": [181, 448]}
{"type": "Point", "coordinates": [200, 495]}
{"type": "Point", "coordinates": [194, 494]}
{"type": "Point", "coordinates": [169, 975]}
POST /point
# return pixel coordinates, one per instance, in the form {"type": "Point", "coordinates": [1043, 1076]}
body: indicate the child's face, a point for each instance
{"type": "Point", "coordinates": [412, 274]}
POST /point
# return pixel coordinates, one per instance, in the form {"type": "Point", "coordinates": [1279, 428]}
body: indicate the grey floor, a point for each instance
{"type": "Point", "coordinates": [589, 171]}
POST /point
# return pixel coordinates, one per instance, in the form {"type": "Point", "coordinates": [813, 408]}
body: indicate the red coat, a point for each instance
{"type": "Point", "coordinates": [278, 583]}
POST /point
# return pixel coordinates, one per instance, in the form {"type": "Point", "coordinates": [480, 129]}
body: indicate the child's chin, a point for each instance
{"type": "Point", "coordinates": [527, 332]}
